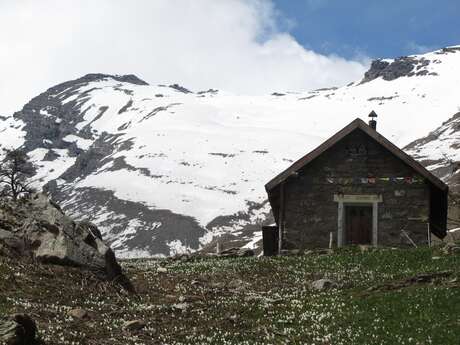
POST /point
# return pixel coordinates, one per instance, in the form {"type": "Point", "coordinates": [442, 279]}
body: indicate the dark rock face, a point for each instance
{"type": "Point", "coordinates": [246, 227]}
{"type": "Point", "coordinates": [51, 156]}
{"type": "Point", "coordinates": [405, 66]}
{"type": "Point", "coordinates": [129, 78]}
{"type": "Point", "coordinates": [179, 88]}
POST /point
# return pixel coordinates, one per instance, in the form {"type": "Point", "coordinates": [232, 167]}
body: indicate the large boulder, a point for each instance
{"type": "Point", "coordinates": [323, 284]}
{"type": "Point", "coordinates": [37, 228]}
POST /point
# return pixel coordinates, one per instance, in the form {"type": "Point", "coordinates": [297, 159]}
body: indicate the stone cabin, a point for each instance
{"type": "Point", "coordinates": [355, 188]}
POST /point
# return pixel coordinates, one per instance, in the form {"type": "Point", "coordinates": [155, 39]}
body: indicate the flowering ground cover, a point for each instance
{"type": "Point", "coordinates": [383, 296]}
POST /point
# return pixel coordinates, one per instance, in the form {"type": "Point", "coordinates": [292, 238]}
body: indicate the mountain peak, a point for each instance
{"type": "Point", "coordinates": [95, 77]}
{"type": "Point", "coordinates": [127, 78]}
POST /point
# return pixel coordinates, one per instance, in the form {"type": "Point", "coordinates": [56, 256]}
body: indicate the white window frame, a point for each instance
{"type": "Point", "coordinates": [357, 199]}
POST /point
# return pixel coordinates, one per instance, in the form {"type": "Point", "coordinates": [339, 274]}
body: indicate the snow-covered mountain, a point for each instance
{"type": "Point", "coordinates": [439, 151]}
{"type": "Point", "coordinates": [162, 169]}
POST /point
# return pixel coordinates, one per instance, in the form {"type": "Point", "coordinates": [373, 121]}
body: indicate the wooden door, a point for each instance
{"type": "Point", "coordinates": [358, 224]}
{"type": "Point", "coordinates": [270, 240]}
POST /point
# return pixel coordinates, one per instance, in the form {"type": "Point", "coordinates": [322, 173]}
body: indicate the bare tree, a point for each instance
{"type": "Point", "coordinates": [16, 171]}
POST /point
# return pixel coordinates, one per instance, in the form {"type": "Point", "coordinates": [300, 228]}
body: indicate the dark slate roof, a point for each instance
{"type": "Point", "coordinates": [355, 124]}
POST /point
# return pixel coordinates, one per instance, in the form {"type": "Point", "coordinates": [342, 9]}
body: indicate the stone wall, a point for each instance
{"type": "Point", "coordinates": [311, 213]}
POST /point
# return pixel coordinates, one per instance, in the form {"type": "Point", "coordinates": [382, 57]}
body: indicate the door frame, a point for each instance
{"type": "Point", "coordinates": [343, 200]}
{"type": "Point", "coordinates": [348, 227]}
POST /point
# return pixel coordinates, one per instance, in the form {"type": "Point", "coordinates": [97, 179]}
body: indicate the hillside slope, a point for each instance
{"type": "Point", "coordinates": [382, 297]}
{"type": "Point", "coordinates": [161, 169]}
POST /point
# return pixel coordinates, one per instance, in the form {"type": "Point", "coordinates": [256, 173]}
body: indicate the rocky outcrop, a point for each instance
{"type": "Point", "coordinates": [448, 50]}
{"type": "Point", "coordinates": [236, 252]}
{"type": "Point", "coordinates": [323, 284]}
{"type": "Point", "coordinates": [406, 66]}
{"type": "Point", "coordinates": [38, 229]}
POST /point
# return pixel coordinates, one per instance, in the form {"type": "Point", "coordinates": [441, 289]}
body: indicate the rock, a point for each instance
{"type": "Point", "coordinates": [288, 252]}
{"type": "Point", "coordinates": [404, 66]}
{"type": "Point", "coordinates": [455, 250]}
{"type": "Point", "coordinates": [18, 329]}
{"type": "Point", "coordinates": [246, 252]}
{"type": "Point", "coordinates": [451, 248]}
{"type": "Point", "coordinates": [179, 88]}
{"type": "Point", "coordinates": [43, 232]}
{"type": "Point", "coordinates": [195, 283]}
{"type": "Point", "coordinates": [237, 284]}
{"type": "Point", "coordinates": [364, 248]}
{"type": "Point", "coordinates": [217, 285]}
{"type": "Point", "coordinates": [453, 235]}
{"type": "Point", "coordinates": [428, 277]}
{"type": "Point", "coordinates": [162, 270]}
{"type": "Point", "coordinates": [323, 284]}
{"type": "Point", "coordinates": [10, 244]}
{"type": "Point", "coordinates": [236, 252]}
{"type": "Point", "coordinates": [233, 318]}
{"type": "Point", "coordinates": [181, 306]}
{"type": "Point", "coordinates": [324, 251]}
{"type": "Point", "coordinates": [79, 313]}
{"type": "Point", "coordinates": [134, 325]}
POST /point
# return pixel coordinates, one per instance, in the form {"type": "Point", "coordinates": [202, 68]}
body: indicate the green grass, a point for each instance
{"type": "Point", "coordinates": [250, 300]}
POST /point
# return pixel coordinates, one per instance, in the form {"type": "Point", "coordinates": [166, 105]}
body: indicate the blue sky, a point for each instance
{"type": "Point", "coordinates": [385, 28]}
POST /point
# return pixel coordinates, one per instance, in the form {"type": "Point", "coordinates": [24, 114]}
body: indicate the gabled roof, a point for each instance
{"type": "Point", "coordinates": [355, 124]}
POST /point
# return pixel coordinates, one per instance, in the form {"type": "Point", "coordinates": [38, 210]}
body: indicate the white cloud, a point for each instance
{"type": "Point", "coordinates": [233, 45]}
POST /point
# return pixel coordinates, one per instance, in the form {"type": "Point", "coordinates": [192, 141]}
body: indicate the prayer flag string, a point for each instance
{"type": "Point", "coordinates": [374, 180]}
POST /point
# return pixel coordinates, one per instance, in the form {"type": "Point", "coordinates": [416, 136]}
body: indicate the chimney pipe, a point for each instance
{"type": "Point", "coordinates": [372, 121]}
{"type": "Point", "coordinates": [373, 124]}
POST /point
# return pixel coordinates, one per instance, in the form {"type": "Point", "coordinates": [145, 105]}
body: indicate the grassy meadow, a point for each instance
{"type": "Point", "coordinates": [384, 296]}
